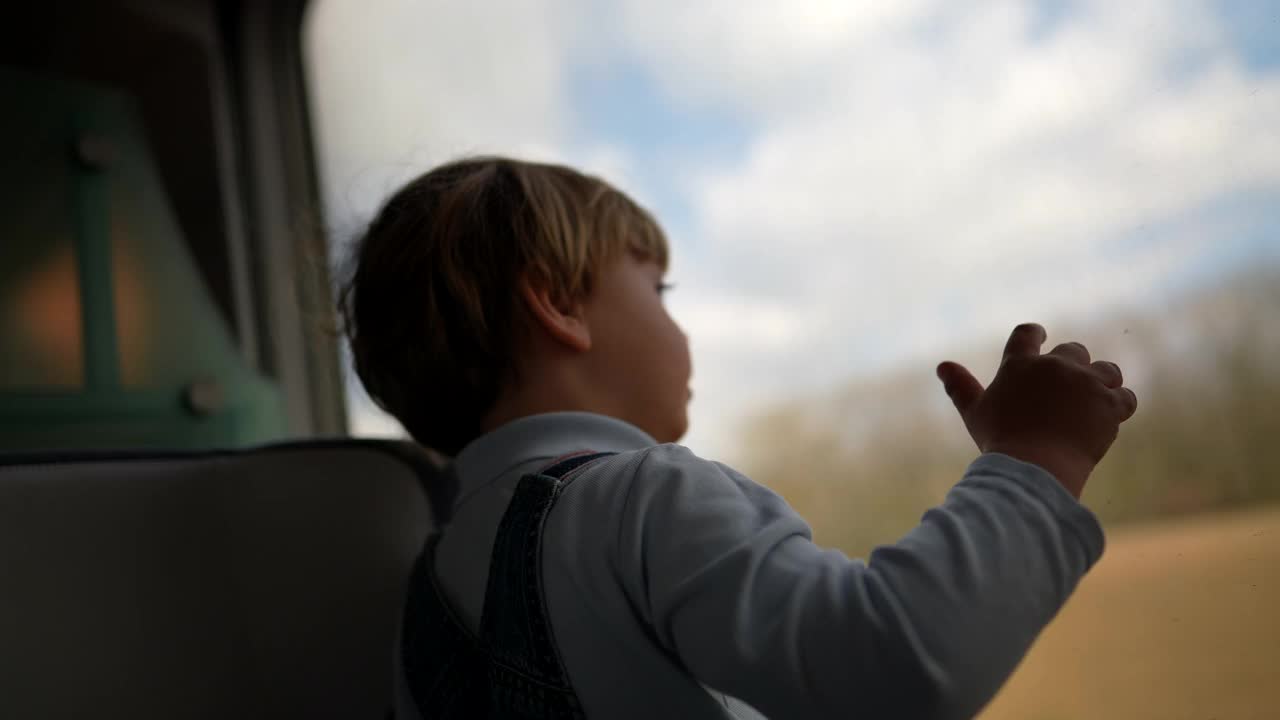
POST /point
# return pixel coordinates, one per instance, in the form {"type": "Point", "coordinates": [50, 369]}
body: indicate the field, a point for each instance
{"type": "Point", "coordinates": [1180, 619]}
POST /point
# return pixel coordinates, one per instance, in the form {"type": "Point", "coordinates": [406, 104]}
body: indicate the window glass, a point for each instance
{"type": "Point", "coordinates": [169, 332]}
{"type": "Point", "coordinates": [855, 192]}
{"type": "Point", "coordinates": [165, 71]}
{"type": "Point", "coordinates": [41, 327]}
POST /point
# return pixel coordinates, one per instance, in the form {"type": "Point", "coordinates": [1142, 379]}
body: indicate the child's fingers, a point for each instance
{"type": "Point", "coordinates": [1026, 339]}
{"type": "Point", "coordinates": [1074, 351]}
{"type": "Point", "coordinates": [1126, 402]}
{"type": "Point", "coordinates": [960, 384]}
{"type": "Point", "coordinates": [1108, 372]}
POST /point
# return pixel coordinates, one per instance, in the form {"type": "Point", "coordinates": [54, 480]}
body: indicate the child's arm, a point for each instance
{"type": "Point", "coordinates": [929, 628]}
{"type": "Point", "coordinates": [932, 625]}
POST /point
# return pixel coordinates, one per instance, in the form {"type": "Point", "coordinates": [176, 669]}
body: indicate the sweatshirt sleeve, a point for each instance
{"type": "Point", "coordinates": [929, 627]}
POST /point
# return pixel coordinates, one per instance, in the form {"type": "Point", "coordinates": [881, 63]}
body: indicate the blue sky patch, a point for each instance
{"type": "Point", "coordinates": [1253, 27]}
{"type": "Point", "coordinates": [620, 104]}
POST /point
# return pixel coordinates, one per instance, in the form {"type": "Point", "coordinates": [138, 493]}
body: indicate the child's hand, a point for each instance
{"type": "Point", "coordinates": [1058, 410]}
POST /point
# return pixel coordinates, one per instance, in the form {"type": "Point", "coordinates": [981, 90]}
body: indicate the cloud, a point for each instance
{"type": "Point", "coordinates": [400, 86]}
{"type": "Point", "coordinates": [905, 177]}
{"type": "Point", "coordinates": [758, 57]}
{"type": "Point", "coordinates": [951, 174]}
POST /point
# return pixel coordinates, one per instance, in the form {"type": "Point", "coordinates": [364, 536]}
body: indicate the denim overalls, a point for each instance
{"type": "Point", "coordinates": [513, 669]}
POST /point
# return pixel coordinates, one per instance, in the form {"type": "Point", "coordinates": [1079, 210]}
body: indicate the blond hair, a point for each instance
{"type": "Point", "coordinates": [430, 303]}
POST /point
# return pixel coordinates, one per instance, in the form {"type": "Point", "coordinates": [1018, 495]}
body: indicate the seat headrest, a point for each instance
{"type": "Point", "coordinates": [246, 583]}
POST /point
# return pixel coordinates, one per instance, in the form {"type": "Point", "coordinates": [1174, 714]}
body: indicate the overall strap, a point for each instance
{"type": "Point", "coordinates": [513, 670]}
{"type": "Point", "coordinates": [445, 668]}
{"type": "Point", "coordinates": [527, 676]}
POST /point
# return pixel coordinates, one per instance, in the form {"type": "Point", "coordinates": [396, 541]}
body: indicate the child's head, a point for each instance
{"type": "Point", "coordinates": [490, 288]}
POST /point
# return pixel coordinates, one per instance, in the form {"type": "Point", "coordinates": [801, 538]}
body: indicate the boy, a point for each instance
{"type": "Point", "coordinates": [510, 315]}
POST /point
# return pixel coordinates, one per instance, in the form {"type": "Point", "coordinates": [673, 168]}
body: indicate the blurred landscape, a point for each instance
{"type": "Point", "coordinates": [864, 461]}
{"type": "Point", "coordinates": [1179, 619]}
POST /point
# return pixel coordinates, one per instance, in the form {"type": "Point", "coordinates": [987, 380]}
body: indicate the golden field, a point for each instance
{"type": "Point", "coordinates": [1179, 619]}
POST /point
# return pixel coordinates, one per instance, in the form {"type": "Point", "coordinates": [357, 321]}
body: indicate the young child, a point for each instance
{"type": "Point", "coordinates": [510, 315]}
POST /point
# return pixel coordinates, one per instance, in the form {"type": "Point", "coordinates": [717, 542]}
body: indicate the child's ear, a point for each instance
{"type": "Point", "coordinates": [563, 319]}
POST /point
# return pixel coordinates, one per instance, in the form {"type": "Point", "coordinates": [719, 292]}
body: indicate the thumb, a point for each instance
{"type": "Point", "coordinates": [961, 386]}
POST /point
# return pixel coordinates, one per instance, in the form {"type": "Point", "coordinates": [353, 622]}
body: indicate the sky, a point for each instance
{"type": "Point", "coordinates": [847, 186]}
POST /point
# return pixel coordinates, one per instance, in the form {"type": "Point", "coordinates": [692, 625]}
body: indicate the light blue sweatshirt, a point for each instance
{"type": "Point", "coordinates": [669, 577]}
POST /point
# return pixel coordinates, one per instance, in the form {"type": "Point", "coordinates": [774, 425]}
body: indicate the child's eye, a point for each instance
{"type": "Point", "coordinates": [664, 288]}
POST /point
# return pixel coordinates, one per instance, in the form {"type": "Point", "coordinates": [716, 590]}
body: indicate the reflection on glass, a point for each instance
{"type": "Point", "coordinates": [41, 325]}
{"type": "Point", "coordinates": [40, 320]}
{"type": "Point", "coordinates": [133, 336]}
{"type": "Point", "coordinates": [168, 330]}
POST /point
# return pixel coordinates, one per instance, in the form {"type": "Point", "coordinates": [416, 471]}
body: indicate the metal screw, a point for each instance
{"type": "Point", "coordinates": [94, 152]}
{"type": "Point", "coordinates": [203, 397]}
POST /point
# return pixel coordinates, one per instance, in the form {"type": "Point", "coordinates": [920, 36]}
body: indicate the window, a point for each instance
{"type": "Point", "coordinates": [855, 193]}
{"type": "Point", "coordinates": [119, 299]}
{"type": "Point", "coordinates": [167, 72]}
{"type": "Point", "coordinates": [41, 317]}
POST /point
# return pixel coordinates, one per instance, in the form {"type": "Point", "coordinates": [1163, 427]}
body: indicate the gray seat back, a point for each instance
{"type": "Point", "coordinates": [242, 584]}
